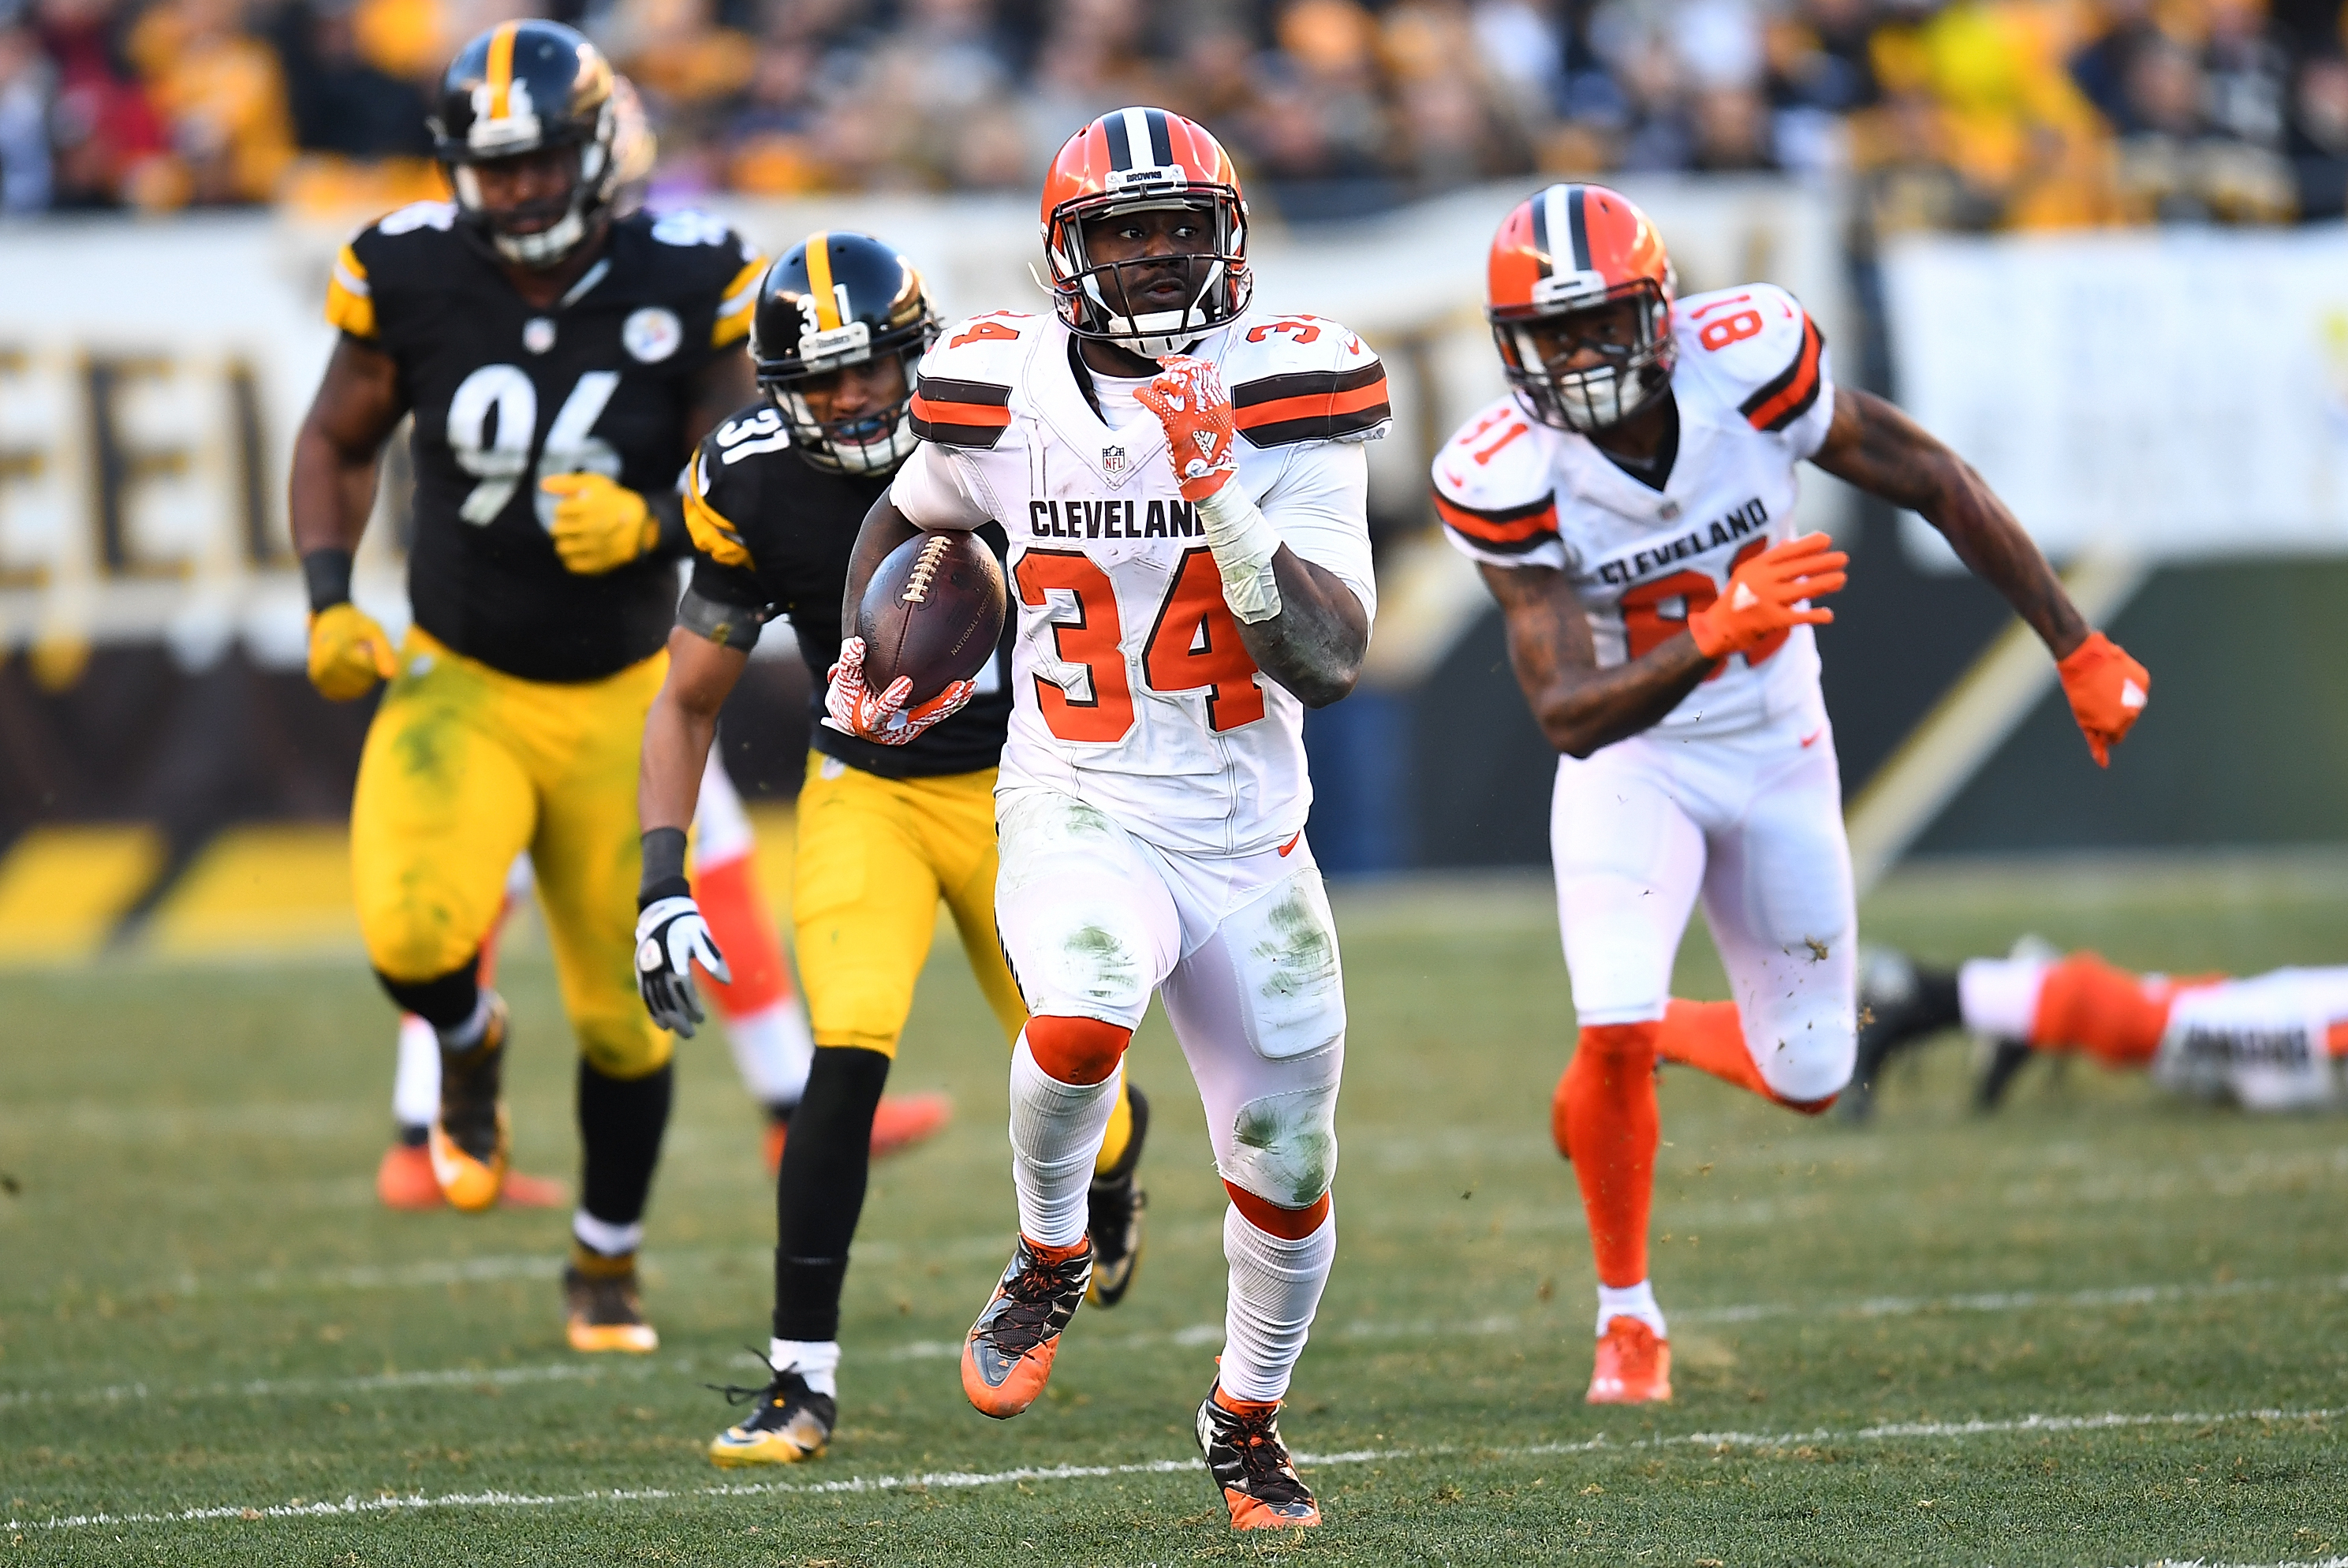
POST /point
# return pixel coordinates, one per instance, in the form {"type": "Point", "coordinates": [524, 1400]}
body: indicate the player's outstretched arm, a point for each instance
{"type": "Point", "coordinates": [1578, 706]}
{"type": "Point", "coordinates": [328, 499]}
{"type": "Point", "coordinates": [1874, 446]}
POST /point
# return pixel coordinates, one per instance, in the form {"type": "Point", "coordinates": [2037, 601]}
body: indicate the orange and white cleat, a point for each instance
{"type": "Point", "coordinates": [470, 1144]}
{"type": "Point", "coordinates": [901, 1121]}
{"type": "Point", "coordinates": [404, 1179]}
{"type": "Point", "coordinates": [1634, 1365]}
{"type": "Point", "coordinates": [1008, 1356]}
{"type": "Point", "coordinates": [1250, 1463]}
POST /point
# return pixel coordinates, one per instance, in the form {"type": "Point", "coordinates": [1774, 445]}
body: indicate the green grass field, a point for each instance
{"type": "Point", "coordinates": [2102, 1328]}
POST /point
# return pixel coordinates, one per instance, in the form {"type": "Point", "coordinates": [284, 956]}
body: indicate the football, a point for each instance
{"type": "Point", "coordinates": [933, 611]}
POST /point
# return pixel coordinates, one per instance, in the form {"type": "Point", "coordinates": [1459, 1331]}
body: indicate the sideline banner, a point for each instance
{"type": "Point", "coordinates": [152, 376]}
{"type": "Point", "coordinates": [2179, 394]}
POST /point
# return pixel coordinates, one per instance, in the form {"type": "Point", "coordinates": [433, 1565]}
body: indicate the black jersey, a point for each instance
{"type": "Point", "coordinates": [505, 394]}
{"type": "Point", "coordinates": [771, 535]}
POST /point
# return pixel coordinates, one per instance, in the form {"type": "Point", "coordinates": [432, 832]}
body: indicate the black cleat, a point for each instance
{"type": "Point", "coordinates": [792, 1422]}
{"type": "Point", "coordinates": [2006, 1058]}
{"type": "Point", "coordinates": [1115, 1209]}
{"type": "Point", "coordinates": [1251, 1467]}
{"type": "Point", "coordinates": [1899, 1006]}
{"type": "Point", "coordinates": [1008, 1355]}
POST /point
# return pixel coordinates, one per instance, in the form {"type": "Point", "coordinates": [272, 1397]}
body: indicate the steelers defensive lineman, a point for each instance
{"type": "Point", "coordinates": [561, 363]}
{"type": "Point", "coordinates": [775, 497]}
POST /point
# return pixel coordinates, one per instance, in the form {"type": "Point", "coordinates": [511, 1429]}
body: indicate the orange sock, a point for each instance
{"type": "Point", "coordinates": [737, 920]}
{"type": "Point", "coordinates": [1605, 1122]}
{"type": "Point", "coordinates": [1708, 1036]}
{"type": "Point", "coordinates": [2086, 1005]}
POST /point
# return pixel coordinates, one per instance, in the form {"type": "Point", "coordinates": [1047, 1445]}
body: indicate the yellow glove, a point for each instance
{"type": "Point", "coordinates": [599, 526]}
{"type": "Point", "coordinates": [349, 652]}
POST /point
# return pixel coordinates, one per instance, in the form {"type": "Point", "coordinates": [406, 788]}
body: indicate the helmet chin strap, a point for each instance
{"type": "Point", "coordinates": [1153, 334]}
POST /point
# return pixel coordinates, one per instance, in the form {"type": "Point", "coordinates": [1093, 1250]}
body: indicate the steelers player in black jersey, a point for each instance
{"type": "Point", "coordinates": [561, 362]}
{"type": "Point", "coordinates": [775, 497]}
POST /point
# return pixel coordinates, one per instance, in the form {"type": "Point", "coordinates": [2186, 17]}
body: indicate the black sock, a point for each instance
{"type": "Point", "coordinates": [821, 1193]}
{"type": "Point", "coordinates": [620, 1122]}
{"type": "Point", "coordinates": [444, 1003]}
{"type": "Point", "coordinates": [1936, 993]}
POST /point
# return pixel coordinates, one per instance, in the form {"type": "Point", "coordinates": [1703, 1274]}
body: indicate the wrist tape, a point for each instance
{"type": "Point", "coordinates": [1243, 543]}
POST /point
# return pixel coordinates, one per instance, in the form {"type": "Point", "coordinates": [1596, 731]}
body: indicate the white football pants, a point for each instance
{"type": "Point", "coordinates": [1243, 951]}
{"type": "Point", "coordinates": [1752, 820]}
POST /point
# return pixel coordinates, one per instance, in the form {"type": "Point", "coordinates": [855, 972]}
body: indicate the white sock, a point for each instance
{"type": "Point", "coordinates": [817, 1360]}
{"type": "Point", "coordinates": [1999, 997]}
{"type": "Point", "coordinates": [415, 1085]}
{"type": "Point", "coordinates": [1275, 1289]}
{"type": "Point", "coordinates": [602, 1237]}
{"type": "Point", "coordinates": [1056, 1130]}
{"type": "Point", "coordinates": [468, 1035]}
{"type": "Point", "coordinates": [773, 1051]}
{"type": "Point", "coordinates": [1632, 1301]}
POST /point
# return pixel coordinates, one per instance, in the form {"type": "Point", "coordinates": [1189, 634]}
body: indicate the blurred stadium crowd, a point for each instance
{"type": "Point", "coordinates": [1972, 114]}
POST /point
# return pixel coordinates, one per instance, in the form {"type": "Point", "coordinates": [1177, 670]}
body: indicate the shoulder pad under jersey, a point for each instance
{"type": "Point", "coordinates": [709, 258]}
{"type": "Point", "coordinates": [1496, 487]}
{"type": "Point", "coordinates": [962, 393]}
{"type": "Point", "coordinates": [1759, 345]}
{"type": "Point", "coordinates": [725, 483]}
{"type": "Point", "coordinates": [1303, 378]}
{"type": "Point", "coordinates": [401, 246]}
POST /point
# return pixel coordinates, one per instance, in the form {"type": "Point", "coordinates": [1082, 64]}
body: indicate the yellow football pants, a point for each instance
{"type": "Point", "coordinates": [464, 768]}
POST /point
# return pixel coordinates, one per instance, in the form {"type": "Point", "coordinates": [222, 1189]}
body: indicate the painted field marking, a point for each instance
{"type": "Point", "coordinates": [1192, 1337]}
{"type": "Point", "coordinates": [957, 1480]}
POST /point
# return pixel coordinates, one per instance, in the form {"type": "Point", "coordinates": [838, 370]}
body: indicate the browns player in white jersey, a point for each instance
{"type": "Point", "coordinates": [1630, 505]}
{"type": "Point", "coordinates": [1191, 567]}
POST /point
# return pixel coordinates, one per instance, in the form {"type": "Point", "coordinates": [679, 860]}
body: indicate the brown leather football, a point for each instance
{"type": "Point", "coordinates": [933, 611]}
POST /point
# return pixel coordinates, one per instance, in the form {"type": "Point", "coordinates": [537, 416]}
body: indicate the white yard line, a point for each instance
{"type": "Point", "coordinates": [956, 1479]}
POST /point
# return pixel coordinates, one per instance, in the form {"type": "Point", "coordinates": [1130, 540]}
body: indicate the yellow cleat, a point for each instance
{"type": "Point", "coordinates": [470, 1143]}
{"type": "Point", "coordinates": [605, 1312]}
{"type": "Point", "coordinates": [792, 1422]}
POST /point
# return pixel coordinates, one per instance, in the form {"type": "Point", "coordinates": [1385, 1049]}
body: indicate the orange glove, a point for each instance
{"type": "Point", "coordinates": [852, 708]}
{"type": "Point", "coordinates": [1764, 594]}
{"type": "Point", "coordinates": [1189, 401]}
{"type": "Point", "coordinates": [2107, 691]}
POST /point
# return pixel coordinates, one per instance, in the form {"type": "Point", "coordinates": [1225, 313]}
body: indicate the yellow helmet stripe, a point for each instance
{"type": "Point", "coordinates": [819, 264]}
{"type": "Point", "coordinates": [501, 49]}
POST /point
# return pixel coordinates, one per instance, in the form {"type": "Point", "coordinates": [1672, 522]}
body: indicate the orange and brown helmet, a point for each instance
{"type": "Point", "coordinates": [1145, 160]}
{"type": "Point", "coordinates": [1581, 251]}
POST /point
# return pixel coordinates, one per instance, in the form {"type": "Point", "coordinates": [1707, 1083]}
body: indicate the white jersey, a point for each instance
{"type": "Point", "coordinates": [1133, 691]}
{"type": "Point", "coordinates": [1755, 395]}
{"type": "Point", "coordinates": [2264, 1043]}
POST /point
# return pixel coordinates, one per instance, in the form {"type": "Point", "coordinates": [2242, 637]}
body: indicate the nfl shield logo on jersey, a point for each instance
{"type": "Point", "coordinates": [1113, 461]}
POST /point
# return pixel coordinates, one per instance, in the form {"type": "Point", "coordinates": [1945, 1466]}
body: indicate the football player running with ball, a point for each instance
{"type": "Point", "coordinates": [1183, 486]}
{"type": "Point", "coordinates": [774, 498]}
{"type": "Point", "coordinates": [1630, 505]}
{"type": "Point", "coordinates": [561, 363]}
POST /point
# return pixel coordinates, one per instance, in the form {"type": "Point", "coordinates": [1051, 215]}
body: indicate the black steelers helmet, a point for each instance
{"type": "Point", "coordinates": [836, 300]}
{"type": "Point", "coordinates": [521, 88]}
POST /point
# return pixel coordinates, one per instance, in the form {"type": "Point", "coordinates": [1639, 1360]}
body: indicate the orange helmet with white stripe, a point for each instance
{"type": "Point", "coordinates": [1579, 293]}
{"type": "Point", "coordinates": [520, 89]}
{"type": "Point", "coordinates": [1145, 160]}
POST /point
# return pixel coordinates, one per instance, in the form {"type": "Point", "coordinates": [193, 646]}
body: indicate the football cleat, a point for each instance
{"type": "Point", "coordinates": [404, 1179]}
{"type": "Point", "coordinates": [1008, 1355]}
{"type": "Point", "coordinates": [603, 1305]}
{"type": "Point", "coordinates": [1898, 1007]}
{"type": "Point", "coordinates": [470, 1142]}
{"type": "Point", "coordinates": [899, 1122]}
{"type": "Point", "coordinates": [2006, 1057]}
{"type": "Point", "coordinates": [792, 1422]}
{"type": "Point", "coordinates": [1115, 1208]}
{"type": "Point", "coordinates": [1250, 1463]}
{"type": "Point", "coordinates": [1634, 1365]}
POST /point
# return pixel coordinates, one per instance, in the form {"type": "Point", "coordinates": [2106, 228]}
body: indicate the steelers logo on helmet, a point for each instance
{"type": "Point", "coordinates": [526, 125]}
{"type": "Point", "coordinates": [1141, 160]}
{"type": "Point", "coordinates": [1579, 294]}
{"type": "Point", "coordinates": [841, 321]}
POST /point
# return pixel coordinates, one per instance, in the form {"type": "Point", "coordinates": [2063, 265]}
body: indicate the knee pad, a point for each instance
{"type": "Point", "coordinates": [1284, 1147]}
{"type": "Point", "coordinates": [1809, 1063]}
{"type": "Point", "coordinates": [625, 1047]}
{"type": "Point", "coordinates": [1078, 1050]}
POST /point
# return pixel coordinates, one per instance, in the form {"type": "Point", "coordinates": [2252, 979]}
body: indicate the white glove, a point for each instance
{"type": "Point", "coordinates": [671, 938]}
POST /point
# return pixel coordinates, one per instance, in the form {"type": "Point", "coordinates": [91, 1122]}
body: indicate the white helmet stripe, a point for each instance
{"type": "Point", "coordinates": [1137, 137]}
{"type": "Point", "coordinates": [1561, 232]}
